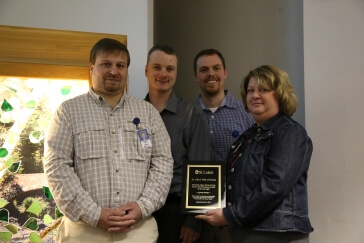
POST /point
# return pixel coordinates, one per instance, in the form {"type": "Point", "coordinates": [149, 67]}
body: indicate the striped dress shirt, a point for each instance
{"type": "Point", "coordinates": [228, 122]}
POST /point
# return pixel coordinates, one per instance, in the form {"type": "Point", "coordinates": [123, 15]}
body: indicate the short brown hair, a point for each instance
{"type": "Point", "coordinates": [207, 52]}
{"type": "Point", "coordinates": [108, 45]}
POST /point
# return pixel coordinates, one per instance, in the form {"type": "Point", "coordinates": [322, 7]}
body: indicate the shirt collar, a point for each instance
{"type": "Point", "coordinates": [230, 100]}
{"type": "Point", "coordinates": [271, 121]}
{"type": "Point", "coordinates": [171, 104]}
{"type": "Point", "coordinates": [99, 100]}
{"type": "Point", "coordinates": [227, 101]}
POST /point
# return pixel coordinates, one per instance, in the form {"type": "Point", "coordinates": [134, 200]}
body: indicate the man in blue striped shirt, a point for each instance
{"type": "Point", "coordinates": [226, 117]}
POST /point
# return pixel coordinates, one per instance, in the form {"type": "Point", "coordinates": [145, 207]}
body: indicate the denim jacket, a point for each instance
{"type": "Point", "coordinates": [267, 178]}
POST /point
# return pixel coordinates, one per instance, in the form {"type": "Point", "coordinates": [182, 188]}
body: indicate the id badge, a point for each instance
{"type": "Point", "coordinates": [144, 138]}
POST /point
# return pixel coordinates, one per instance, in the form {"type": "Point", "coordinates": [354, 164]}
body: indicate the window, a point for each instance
{"type": "Point", "coordinates": [39, 69]}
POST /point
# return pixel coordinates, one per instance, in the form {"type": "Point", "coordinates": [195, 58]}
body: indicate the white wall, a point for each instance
{"type": "Point", "coordinates": [334, 85]}
{"type": "Point", "coordinates": [130, 17]}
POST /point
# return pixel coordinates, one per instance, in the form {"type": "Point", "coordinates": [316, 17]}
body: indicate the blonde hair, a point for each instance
{"type": "Point", "coordinates": [272, 78]}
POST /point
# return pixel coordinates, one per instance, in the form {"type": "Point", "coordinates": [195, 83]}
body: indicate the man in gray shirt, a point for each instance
{"type": "Point", "coordinates": [188, 129]}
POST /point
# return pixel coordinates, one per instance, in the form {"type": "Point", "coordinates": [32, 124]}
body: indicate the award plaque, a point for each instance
{"type": "Point", "coordinates": [203, 186]}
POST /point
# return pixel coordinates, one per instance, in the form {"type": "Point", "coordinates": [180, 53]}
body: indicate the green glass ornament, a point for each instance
{"type": "Point", "coordinates": [65, 90]}
{"type": "Point", "coordinates": [34, 237]}
{"type": "Point", "coordinates": [47, 192]}
{"type": "Point", "coordinates": [6, 106]}
{"type": "Point", "coordinates": [12, 228]}
{"type": "Point", "coordinates": [59, 214]}
{"type": "Point", "coordinates": [34, 208]}
{"type": "Point", "coordinates": [3, 152]}
{"type": "Point", "coordinates": [31, 223]}
{"type": "Point", "coordinates": [9, 163]}
{"type": "Point", "coordinates": [4, 215]}
{"type": "Point", "coordinates": [3, 203]}
{"type": "Point", "coordinates": [5, 236]}
{"type": "Point", "coordinates": [47, 219]}
{"type": "Point", "coordinates": [30, 104]}
{"type": "Point", "coordinates": [15, 167]}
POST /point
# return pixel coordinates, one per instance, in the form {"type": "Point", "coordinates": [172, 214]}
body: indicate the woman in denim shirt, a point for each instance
{"type": "Point", "coordinates": [267, 167]}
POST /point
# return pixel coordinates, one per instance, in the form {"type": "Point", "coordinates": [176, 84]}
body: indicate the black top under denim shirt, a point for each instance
{"type": "Point", "coordinates": [267, 178]}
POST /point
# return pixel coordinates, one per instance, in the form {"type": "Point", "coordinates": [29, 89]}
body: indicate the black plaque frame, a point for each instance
{"type": "Point", "coordinates": [203, 186]}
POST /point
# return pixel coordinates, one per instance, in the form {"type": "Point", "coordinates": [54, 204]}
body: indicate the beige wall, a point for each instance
{"type": "Point", "coordinates": [248, 34]}
{"type": "Point", "coordinates": [334, 84]}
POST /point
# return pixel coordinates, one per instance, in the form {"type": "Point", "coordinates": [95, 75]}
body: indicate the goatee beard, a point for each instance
{"type": "Point", "coordinates": [211, 92]}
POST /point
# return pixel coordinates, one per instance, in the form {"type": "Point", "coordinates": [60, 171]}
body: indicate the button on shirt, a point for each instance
{"type": "Point", "coordinates": [189, 133]}
{"type": "Point", "coordinates": [190, 141]}
{"type": "Point", "coordinates": [228, 122]}
{"type": "Point", "coordinates": [94, 158]}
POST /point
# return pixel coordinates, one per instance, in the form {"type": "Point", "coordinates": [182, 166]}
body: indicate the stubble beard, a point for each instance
{"type": "Point", "coordinates": [212, 91]}
{"type": "Point", "coordinates": [113, 87]}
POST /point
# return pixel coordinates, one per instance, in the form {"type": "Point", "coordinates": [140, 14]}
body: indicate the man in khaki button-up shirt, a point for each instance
{"type": "Point", "coordinates": [103, 178]}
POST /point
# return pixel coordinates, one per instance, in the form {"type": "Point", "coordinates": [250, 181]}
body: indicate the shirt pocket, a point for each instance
{"type": "Point", "coordinates": [132, 146]}
{"type": "Point", "coordinates": [258, 149]}
{"type": "Point", "coordinates": [232, 132]}
{"type": "Point", "coordinates": [262, 142]}
{"type": "Point", "coordinates": [91, 142]}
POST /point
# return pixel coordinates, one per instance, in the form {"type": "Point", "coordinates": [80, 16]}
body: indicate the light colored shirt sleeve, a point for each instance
{"type": "Point", "coordinates": [65, 185]}
{"type": "Point", "coordinates": [160, 174]}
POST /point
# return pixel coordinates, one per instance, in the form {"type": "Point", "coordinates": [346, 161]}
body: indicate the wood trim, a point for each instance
{"type": "Point", "coordinates": [46, 53]}
{"type": "Point", "coordinates": [34, 70]}
{"type": "Point", "coordinates": [45, 46]}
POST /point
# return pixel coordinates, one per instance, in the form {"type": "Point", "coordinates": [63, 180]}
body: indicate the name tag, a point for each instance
{"type": "Point", "coordinates": [144, 138]}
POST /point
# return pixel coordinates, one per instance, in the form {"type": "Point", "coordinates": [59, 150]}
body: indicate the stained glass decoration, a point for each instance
{"type": "Point", "coordinates": [5, 236]}
{"type": "Point", "coordinates": [34, 237]}
{"type": "Point", "coordinates": [58, 213]}
{"type": "Point", "coordinates": [4, 215]}
{"type": "Point", "coordinates": [6, 106]}
{"type": "Point", "coordinates": [12, 137]}
{"type": "Point", "coordinates": [47, 219]}
{"type": "Point", "coordinates": [47, 192]}
{"type": "Point", "coordinates": [3, 152]}
{"type": "Point", "coordinates": [35, 208]}
{"type": "Point", "coordinates": [65, 90]}
{"type": "Point", "coordinates": [43, 123]}
{"type": "Point", "coordinates": [31, 223]}
{"type": "Point", "coordinates": [3, 203]}
{"type": "Point", "coordinates": [6, 117]}
{"type": "Point", "coordinates": [9, 163]}
{"type": "Point", "coordinates": [12, 228]}
{"type": "Point", "coordinates": [27, 106]}
{"type": "Point", "coordinates": [30, 104]}
{"type": "Point", "coordinates": [15, 167]}
{"type": "Point", "coordinates": [36, 136]}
